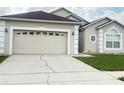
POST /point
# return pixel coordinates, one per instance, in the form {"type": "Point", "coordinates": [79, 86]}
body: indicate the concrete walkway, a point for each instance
{"type": "Point", "coordinates": [51, 69]}
{"type": "Point", "coordinates": [115, 74]}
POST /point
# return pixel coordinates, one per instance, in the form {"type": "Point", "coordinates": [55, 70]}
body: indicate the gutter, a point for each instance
{"type": "Point", "coordinates": [34, 20]}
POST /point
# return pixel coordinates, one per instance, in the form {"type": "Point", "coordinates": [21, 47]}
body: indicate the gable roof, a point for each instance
{"type": "Point", "coordinates": [93, 22]}
{"type": "Point", "coordinates": [71, 13]}
{"type": "Point", "coordinates": [73, 17]}
{"type": "Point", "coordinates": [107, 23]}
{"type": "Point", "coordinates": [37, 15]}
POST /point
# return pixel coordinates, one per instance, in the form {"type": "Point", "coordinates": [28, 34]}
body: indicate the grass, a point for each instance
{"type": "Point", "coordinates": [2, 58]}
{"type": "Point", "coordinates": [105, 62]}
{"type": "Point", "coordinates": [121, 78]}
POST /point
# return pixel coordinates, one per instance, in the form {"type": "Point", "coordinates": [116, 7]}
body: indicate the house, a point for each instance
{"type": "Point", "coordinates": [102, 36]}
{"type": "Point", "coordinates": [38, 32]}
{"type": "Point", "coordinates": [59, 32]}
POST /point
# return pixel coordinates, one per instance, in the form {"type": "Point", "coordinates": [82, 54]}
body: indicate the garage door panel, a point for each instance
{"type": "Point", "coordinates": [39, 44]}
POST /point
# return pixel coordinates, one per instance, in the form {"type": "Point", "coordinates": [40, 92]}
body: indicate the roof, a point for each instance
{"type": "Point", "coordinates": [93, 22]}
{"type": "Point", "coordinates": [107, 23]}
{"type": "Point", "coordinates": [81, 19]}
{"type": "Point", "coordinates": [38, 15]}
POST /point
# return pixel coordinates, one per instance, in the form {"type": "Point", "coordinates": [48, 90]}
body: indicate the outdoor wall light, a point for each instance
{"type": "Point", "coordinates": [73, 33]}
{"type": "Point", "coordinates": [6, 30]}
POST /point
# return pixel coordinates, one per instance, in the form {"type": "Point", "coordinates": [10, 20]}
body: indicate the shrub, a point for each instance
{"type": "Point", "coordinates": [121, 78]}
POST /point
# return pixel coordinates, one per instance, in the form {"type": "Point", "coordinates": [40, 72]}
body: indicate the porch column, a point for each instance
{"type": "Point", "coordinates": [76, 38]}
{"type": "Point", "coordinates": [100, 41]}
{"type": "Point", "coordinates": [10, 40]}
{"type": "Point", "coordinates": [2, 36]}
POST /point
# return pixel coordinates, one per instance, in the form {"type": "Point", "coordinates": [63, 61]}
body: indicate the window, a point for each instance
{"type": "Point", "coordinates": [92, 38]}
{"type": "Point", "coordinates": [1, 33]}
{"type": "Point", "coordinates": [38, 33]}
{"type": "Point", "coordinates": [31, 33]}
{"type": "Point", "coordinates": [1, 45]}
{"type": "Point", "coordinates": [24, 33]}
{"type": "Point", "coordinates": [44, 33]}
{"type": "Point", "coordinates": [18, 33]}
{"type": "Point", "coordinates": [113, 39]}
{"type": "Point", "coordinates": [50, 34]}
{"type": "Point", "coordinates": [57, 34]}
{"type": "Point", "coordinates": [1, 39]}
{"type": "Point", "coordinates": [62, 35]}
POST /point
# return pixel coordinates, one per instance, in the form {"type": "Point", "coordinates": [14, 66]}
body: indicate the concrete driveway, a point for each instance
{"type": "Point", "coordinates": [50, 69]}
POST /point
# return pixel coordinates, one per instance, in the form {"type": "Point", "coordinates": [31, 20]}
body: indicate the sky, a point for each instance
{"type": "Point", "coordinates": [88, 13]}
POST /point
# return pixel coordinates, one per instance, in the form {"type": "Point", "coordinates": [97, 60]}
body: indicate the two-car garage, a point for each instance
{"type": "Point", "coordinates": [38, 32]}
{"type": "Point", "coordinates": [39, 42]}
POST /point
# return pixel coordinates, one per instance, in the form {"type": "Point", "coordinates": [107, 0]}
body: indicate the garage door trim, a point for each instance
{"type": "Point", "coordinates": [12, 28]}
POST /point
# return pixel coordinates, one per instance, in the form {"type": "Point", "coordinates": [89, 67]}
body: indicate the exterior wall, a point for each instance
{"type": "Point", "coordinates": [121, 30]}
{"type": "Point", "coordinates": [73, 18]}
{"type": "Point", "coordinates": [62, 13]}
{"type": "Point", "coordinates": [88, 46]}
{"type": "Point", "coordinates": [81, 41]}
{"type": "Point", "coordinates": [70, 27]}
{"type": "Point", "coordinates": [66, 14]}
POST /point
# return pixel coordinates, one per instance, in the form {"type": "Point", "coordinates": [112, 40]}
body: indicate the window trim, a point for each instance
{"type": "Point", "coordinates": [91, 40]}
{"type": "Point", "coordinates": [118, 33]}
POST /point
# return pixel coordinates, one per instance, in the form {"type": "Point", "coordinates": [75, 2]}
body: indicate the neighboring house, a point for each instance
{"type": "Point", "coordinates": [102, 36]}
{"type": "Point", "coordinates": [38, 33]}
{"type": "Point", "coordinates": [68, 14]}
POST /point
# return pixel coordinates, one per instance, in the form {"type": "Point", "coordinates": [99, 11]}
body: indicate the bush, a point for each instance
{"type": "Point", "coordinates": [121, 78]}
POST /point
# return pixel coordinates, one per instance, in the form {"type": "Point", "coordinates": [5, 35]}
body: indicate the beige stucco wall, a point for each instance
{"type": "Point", "coordinates": [88, 46]}
{"type": "Point", "coordinates": [73, 18]}
{"type": "Point", "coordinates": [62, 13]}
{"type": "Point", "coordinates": [8, 24]}
{"type": "Point", "coordinates": [68, 15]}
{"type": "Point", "coordinates": [81, 41]}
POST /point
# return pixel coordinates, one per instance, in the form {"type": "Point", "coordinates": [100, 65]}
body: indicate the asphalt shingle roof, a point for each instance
{"type": "Point", "coordinates": [39, 15]}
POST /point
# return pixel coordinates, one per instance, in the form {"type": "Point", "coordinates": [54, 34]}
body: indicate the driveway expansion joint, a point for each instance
{"type": "Point", "coordinates": [46, 63]}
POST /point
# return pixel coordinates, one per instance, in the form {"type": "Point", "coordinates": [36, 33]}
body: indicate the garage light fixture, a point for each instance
{"type": "Point", "coordinates": [73, 33]}
{"type": "Point", "coordinates": [6, 30]}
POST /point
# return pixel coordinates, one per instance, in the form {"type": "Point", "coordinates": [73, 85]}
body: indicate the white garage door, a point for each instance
{"type": "Point", "coordinates": [35, 42]}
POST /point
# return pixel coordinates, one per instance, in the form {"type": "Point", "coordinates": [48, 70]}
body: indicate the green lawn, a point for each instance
{"type": "Point", "coordinates": [2, 58]}
{"type": "Point", "coordinates": [105, 62]}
